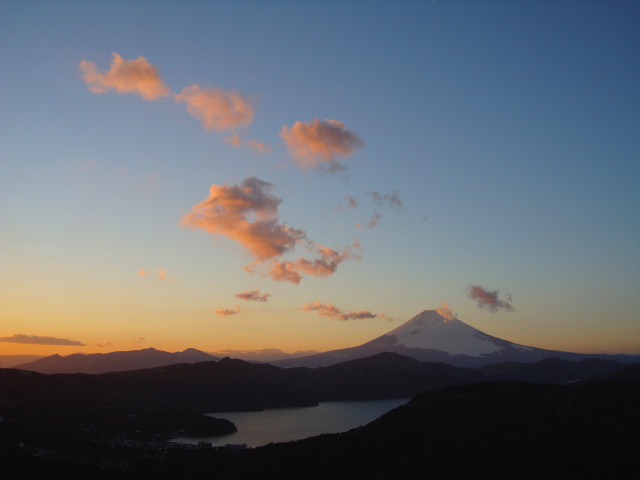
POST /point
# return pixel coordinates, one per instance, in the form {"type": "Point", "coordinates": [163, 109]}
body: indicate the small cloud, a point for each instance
{"type": "Point", "coordinates": [446, 311]}
{"type": "Point", "coordinates": [253, 295]}
{"type": "Point", "coordinates": [259, 146]}
{"type": "Point", "coordinates": [330, 310]}
{"type": "Point", "coordinates": [142, 272]}
{"type": "Point", "coordinates": [373, 222]}
{"type": "Point", "coordinates": [320, 143]}
{"type": "Point", "coordinates": [234, 140]}
{"type": "Point", "coordinates": [39, 340]}
{"type": "Point", "coordinates": [392, 200]}
{"type": "Point", "coordinates": [89, 165]}
{"type": "Point", "coordinates": [489, 300]}
{"type": "Point", "coordinates": [125, 76]}
{"type": "Point", "coordinates": [103, 344]}
{"type": "Point", "coordinates": [224, 312]}
{"type": "Point", "coordinates": [162, 274]}
{"type": "Point", "coordinates": [216, 109]}
{"type": "Point", "coordinates": [349, 202]}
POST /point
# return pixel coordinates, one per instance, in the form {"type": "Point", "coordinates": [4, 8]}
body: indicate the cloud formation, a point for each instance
{"type": "Point", "coordinates": [225, 312]}
{"type": "Point", "coordinates": [234, 140]}
{"type": "Point", "coordinates": [39, 340]}
{"type": "Point", "coordinates": [253, 295]}
{"type": "Point", "coordinates": [446, 311]}
{"type": "Point", "coordinates": [330, 310]}
{"type": "Point", "coordinates": [392, 200]}
{"type": "Point", "coordinates": [142, 272]}
{"type": "Point", "coordinates": [248, 214]}
{"type": "Point", "coordinates": [325, 265]}
{"type": "Point", "coordinates": [259, 146]}
{"type": "Point", "coordinates": [125, 76]}
{"type": "Point", "coordinates": [489, 300]}
{"type": "Point", "coordinates": [320, 143]}
{"type": "Point", "coordinates": [217, 109]}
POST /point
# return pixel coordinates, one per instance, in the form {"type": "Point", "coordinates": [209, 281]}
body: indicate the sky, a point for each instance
{"type": "Point", "coordinates": [308, 175]}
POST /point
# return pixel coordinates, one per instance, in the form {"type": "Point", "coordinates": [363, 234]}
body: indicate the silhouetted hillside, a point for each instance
{"type": "Point", "coordinates": [486, 430]}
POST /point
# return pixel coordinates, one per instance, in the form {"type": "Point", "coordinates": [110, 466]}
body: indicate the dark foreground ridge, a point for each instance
{"type": "Point", "coordinates": [113, 425]}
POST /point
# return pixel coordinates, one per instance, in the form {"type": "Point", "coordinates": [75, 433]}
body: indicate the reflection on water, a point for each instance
{"type": "Point", "coordinates": [285, 424]}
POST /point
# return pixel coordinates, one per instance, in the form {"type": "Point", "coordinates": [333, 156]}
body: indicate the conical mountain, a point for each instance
{"type": "Point", "coordinates": [437, 336]}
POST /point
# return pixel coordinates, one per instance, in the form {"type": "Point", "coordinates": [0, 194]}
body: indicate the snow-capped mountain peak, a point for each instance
{"type": "Point", "coordinates": [431, 329]}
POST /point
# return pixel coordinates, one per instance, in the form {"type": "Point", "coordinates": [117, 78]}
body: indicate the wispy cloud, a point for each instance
{"type": "Point", "coordinates": [446, 311]}
{"type": "Point", "coordinates": [103, 344]}
{"type": "Point", "coordinates": [125, 76]}
{"type": "Point", "coordinates": [39, 340]}
{"type": "Point", "coordinates": [392, 200]}
{"type": "Point", "coordinates": [327, 263]}
{"type": "Point", "coordinates": [234, 140]}
{"type": "Point", "coordinates": [489, 299]}
{"type": "Point", "coordinates": [320, 143]}
{"type": "Point", "coordinates": [217, 109]}
{"type": "Point", "coordinates": [259, 146]}
{"type": "Point", "coordinates": [248, 214]}
{"type": "Point", "coordinates": [162, 274]}
{"type": "Point", "coordinates": [373, 221]}
{"type": "Point", "coordinates": [225, 312]}
{"type": "Point", "coordinates": [253, 295]}
{"type": "Point", "coordinates": [142, 272]}
{"type": "Point", "coordinates": [330, 310]}
{"type": "Point", "coordinates": [349, 202]}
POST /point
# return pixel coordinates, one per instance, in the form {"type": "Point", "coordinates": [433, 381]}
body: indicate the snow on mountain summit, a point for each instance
{"type": "Point", "coordinates": [431, 329]}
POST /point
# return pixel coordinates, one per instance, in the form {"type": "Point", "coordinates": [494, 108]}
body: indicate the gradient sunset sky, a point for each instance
{"type": "Point", "coordinates": [307, 175]}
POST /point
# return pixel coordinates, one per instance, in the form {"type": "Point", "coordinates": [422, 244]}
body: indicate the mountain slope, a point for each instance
{"type": "Point", "coordinates": [432, 337]}
{"type": "Point", "coordinates": [114, 361]}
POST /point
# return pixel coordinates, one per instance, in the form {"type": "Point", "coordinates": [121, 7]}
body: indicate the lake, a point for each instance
{"type": "Point", "coordinates": [285, 424]}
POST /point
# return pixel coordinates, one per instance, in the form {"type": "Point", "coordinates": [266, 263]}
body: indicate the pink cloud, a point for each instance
{"type": "Point", "coordinates": [446, 311]}
{"type": "Point", "coordinates": [248, 214]}
{"type": "Point", "coordinates": [323, 266]}
{"type": "Point", "coordinates": [489, 300]}
{"type": "Point", "coordinates": [260, 147]}
{"type": "Point", "coordinates": [162, 274]}
{"type": "Point", "coordinates": [253, 295]}
{"type": "Point", "coordinates": [142, 272]}
{"type": "Point", "coordinates": [217, 109]}
{"type": "Point", "coordinates": [330, 310]}
{"type": "Point", "coordinates": [125, 76]}
{"type": "Point", "coordinates": [320, 142]}
{"type": "Point", "coordinates": [225, 312]}
{"type": "Point", "coordinates": [234, 140]}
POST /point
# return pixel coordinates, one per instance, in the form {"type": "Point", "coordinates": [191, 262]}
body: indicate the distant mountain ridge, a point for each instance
{"type": "Point", "coordinates": [432, 337]}
{"type": "Point", "coordinates": [264, 355]}
{"type": "Point", "coordinates": [114, 361]}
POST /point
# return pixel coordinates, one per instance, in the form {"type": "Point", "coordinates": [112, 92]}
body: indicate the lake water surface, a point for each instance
{"type": "Point", "coordinates": [284, 424]}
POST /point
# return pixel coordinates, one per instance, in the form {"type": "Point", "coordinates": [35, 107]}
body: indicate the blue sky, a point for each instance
{"type": "Point", "coordinates": [509, 130]}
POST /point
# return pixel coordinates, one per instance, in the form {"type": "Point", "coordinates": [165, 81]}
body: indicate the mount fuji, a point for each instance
{"type": "Point", "coordinates": [437, 336]}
